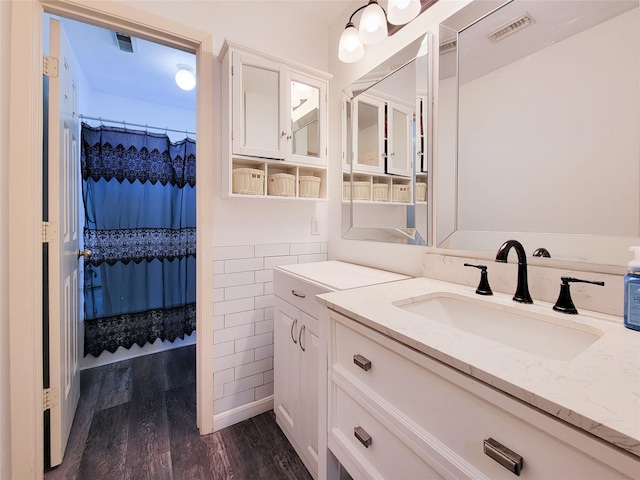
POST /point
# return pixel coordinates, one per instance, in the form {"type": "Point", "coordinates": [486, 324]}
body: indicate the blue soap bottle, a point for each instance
{"type": "Point", "coordinates": [632, 292]}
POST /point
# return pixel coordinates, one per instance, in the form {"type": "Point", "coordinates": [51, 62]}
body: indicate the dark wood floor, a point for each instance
{"type": "Point", "coordinates": [137, 420]}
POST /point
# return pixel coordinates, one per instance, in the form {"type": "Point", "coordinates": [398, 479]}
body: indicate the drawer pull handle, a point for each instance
{"type": "Point", "coordinates": [363, 437]}
{"type": "Point", "coordinates": [301, 295]}
{"type": "Point", "coordinates": [362, 362]}
{"type": "Point", "coordinates": [504, 456]}
{"type": "Point", "coordinates": [293, 325]}
{"type": "Point", "coordinates": [300, 338]}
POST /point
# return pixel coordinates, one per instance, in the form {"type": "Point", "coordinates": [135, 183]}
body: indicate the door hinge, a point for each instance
{"type": "Point", "coordinates": [232, 70]}
{"type": "Point", "coordinates": [50, 66]}
{"type": "Point", "coordinates": [49, 232]}
{"type": "Point", "coordinates": [49, 398]}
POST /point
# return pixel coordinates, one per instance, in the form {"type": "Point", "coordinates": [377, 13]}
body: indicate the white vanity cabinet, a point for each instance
{"type": "Point", "coordinates": [295, 367]}
{"type": "Point", "coordinates": [297, 358]}
{"type": "Point", "coordinates": [277, 121]}
{"type": "Point", "coordinates": [393, 412]}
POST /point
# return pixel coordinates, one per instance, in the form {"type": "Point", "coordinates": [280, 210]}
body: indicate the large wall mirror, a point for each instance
{"type": "Point", "coordinates": [386, 150]}
{"type": "Point", "coordinates": [538, 121]}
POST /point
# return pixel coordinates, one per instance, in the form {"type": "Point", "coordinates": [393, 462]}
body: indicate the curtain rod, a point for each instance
{"type": "Point", "coordinates": [124, 123]}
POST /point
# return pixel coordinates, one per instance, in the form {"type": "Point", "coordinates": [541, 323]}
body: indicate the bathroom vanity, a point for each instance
{"type": "Point", "coordinates": [425, 379]}
{"type": "Point", "coordinates": [297, 353]}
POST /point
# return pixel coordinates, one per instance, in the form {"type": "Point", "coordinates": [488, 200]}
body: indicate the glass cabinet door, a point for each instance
{"type": "Point", "coordinates": [256, 102]}
{"type": "Point", "coordinates": [368, 134]}
{"type": "Point", "coordinates": [400, 140]}
{"type": "Point", "coordinates": [307, 112]}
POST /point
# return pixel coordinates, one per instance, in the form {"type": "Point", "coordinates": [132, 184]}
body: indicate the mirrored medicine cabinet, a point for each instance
{"type": "Point", "coordinates": [386, 150]}
{"type": "Point", "coordinates": [538, 113]}
{"type": "Point", "coordinates": [538, 128]}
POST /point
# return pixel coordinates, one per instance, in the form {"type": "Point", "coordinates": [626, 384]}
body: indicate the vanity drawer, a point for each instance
{"type": "Point", "coordinates": [385, 457]}
{"type": "Point", "coordinates": [297, 292]}
{"type": "Point", "coordinates": [443, 409]}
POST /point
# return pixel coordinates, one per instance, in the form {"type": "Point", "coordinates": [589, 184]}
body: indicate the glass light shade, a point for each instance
{"type": "Point", "coordinates": [350, 48]}
{"type": "Point", "coordinates": [185, 78]}
{"type": "Point", "coordinates": [373, 24]}
{"type": "Point", "coordinates": [400, 12]}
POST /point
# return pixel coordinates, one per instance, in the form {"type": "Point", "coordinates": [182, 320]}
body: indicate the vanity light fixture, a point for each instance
{"type": "Point", "coordinates": [185, 78]}
{"type": "Point", "coordinates": [400, 12]}
{"type": "Point", "coordinates": [372, 27]}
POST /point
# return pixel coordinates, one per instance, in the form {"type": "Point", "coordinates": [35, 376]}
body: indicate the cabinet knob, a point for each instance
{"type": "Point", "coordinates": [293, 326]}
{"type": "Point", "coordinates": [362, 436]}
{"type": "Point", "coordinates": [504, 456]}
{"type": "Point", "coordinates": [363, 362]}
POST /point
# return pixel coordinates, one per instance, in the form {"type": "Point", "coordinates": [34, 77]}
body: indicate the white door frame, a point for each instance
{"type": "Point", "coordinates": [25, 212]}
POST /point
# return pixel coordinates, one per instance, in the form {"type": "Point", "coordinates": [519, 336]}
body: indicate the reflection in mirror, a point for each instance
{"type": "Point", "coordinates": [261, 111]}
{"type": "Point", "coordinates": [369, 140]}
{"type": "Point", "coordinates": [385, 147]}
{"type": "Point", "coordinates": [305, 120]}
{"type": "Point", "coordinates": [538, 129]}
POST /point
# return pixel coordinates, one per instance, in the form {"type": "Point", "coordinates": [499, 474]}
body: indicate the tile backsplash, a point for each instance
{"type": "Point", "coordinates": [243, 318]}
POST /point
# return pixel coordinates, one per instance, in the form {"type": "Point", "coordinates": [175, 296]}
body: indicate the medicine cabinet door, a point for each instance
{"type": "Point", "coordinates": [258, 126]}
{"type": "Point", "coordinates": [307, 120]}
{"type": "Point", "coordinates": [400, 139]}
{"type": "Point", "coordinates": [368, 141]}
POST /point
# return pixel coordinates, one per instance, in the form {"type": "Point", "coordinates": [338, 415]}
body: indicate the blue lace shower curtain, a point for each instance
{"type": "Point", "coordinates": [138, 191]}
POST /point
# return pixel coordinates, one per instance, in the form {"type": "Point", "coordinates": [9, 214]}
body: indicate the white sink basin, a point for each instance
{"type": "Point", "coordinates": [547, 336]}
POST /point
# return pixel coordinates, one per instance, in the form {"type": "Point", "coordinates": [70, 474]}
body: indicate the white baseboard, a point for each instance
{"type": "Point", "coordinates": [243, 412]}
{"type": "Point", "coordinates": [135, 351]}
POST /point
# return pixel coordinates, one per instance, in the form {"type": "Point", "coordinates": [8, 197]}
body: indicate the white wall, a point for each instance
{"type": "Point", "coordinates": [113, 107]}
{"type": "Point", "coordinates": [5, 428]}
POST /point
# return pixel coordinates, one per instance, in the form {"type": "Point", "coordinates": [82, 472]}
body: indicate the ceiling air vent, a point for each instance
{"type": "Point", "coordinates": [521, 21]}
{"type": "Point", "coordinates": [448, 46]}
{"type": "Point", "coordinates": [124, 42]}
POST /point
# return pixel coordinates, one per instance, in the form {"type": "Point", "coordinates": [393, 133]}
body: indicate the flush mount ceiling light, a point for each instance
{"type": "Point", "coordinates": [185, 78]}
{"type": "Point", "coordinates": [372, 27]}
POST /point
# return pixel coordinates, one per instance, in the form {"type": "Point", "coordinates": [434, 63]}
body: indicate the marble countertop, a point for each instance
{"type": "Point", "coordinates": [598, 390]}
{"type": "Point", "coordinates": [336, 275]}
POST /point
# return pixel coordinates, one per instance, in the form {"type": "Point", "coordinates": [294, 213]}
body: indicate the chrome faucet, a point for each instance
{"type": "Point", "coordinates": [522, 290]}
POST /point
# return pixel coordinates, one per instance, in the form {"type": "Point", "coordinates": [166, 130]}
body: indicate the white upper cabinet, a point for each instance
{"type": "Point", "coordinates": [382, 136]}
{"type": "Point", "coordinates": [275, 124]}
{"type": "Point", "coordinates": [277, 112]}
{"type": "Point", "coordinates": [368, 134]}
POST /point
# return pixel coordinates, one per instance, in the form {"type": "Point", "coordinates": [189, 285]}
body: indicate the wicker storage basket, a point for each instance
{"type": "Point", "coordinates": [362, 190]}
{"type": "Point", "coordinates": [380, 192]}
{"type": "Point", "coordinates": [421, 192]}
{"type": "Point", "coordinates": [401, 193]}
{"type": "Point", "coordinates": [281, 184]}
{"type": "Point", "coordinates": [346, 190]}
{"type": "Point", "coordinates": [309, 186]}
{"type": "Point", "coordinates": [249, 181]}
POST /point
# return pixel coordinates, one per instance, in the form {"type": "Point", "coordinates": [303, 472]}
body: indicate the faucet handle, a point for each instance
{"type": "Point", "coordinates": [564, 303]}
{"type": "Point", "coordinates": [541, 252]}
{"type": "Point", "coordinates": [483, 288]}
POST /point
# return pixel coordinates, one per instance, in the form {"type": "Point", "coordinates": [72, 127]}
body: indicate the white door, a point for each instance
{"type": "Point", "coordinates": [286, 367]}
{"type": "Point", "coordinates": [63, 185]}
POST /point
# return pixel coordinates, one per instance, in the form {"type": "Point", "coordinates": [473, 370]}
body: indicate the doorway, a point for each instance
{"type": "Point", "coordinates": [25, 225]}
{"type": "Point", "coordinates": [136, 270]}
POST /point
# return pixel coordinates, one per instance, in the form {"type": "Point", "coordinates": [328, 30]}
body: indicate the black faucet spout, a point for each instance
{"type": "Point", "coordinates": [522, 294]}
